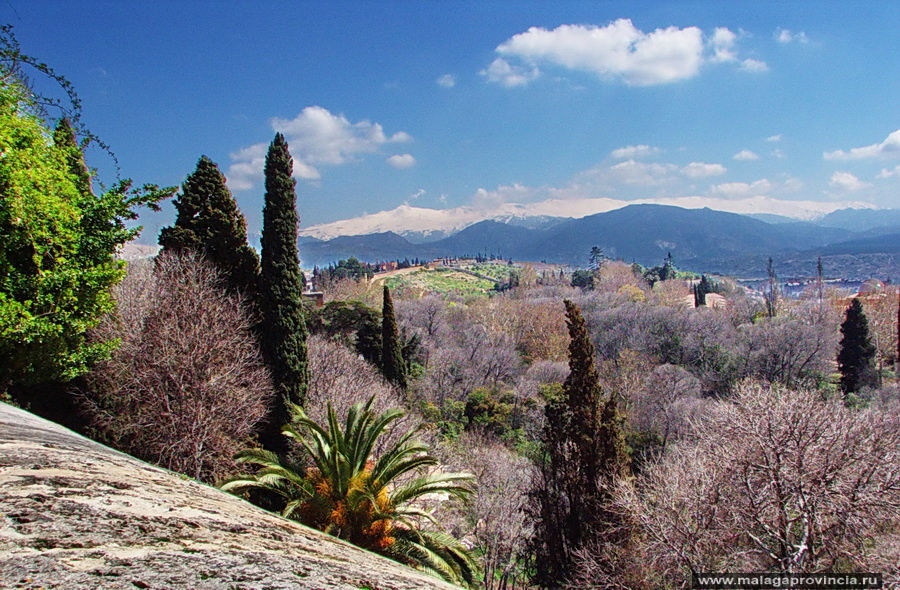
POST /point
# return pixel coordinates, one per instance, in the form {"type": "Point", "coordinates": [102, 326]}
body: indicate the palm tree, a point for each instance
{"type": "Point", "coordinates": [371, 502]}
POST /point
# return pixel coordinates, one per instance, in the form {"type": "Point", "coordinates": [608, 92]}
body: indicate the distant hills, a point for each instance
{"type": "Point", "coordinates": [698, 239]}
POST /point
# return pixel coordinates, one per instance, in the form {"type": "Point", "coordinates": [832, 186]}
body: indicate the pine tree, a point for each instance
{"type": "Point", "coordinates": [584, 450]}
{"type": "Point", "coordinates": [857, 353]}
{"type": "Point", "coordinates": [392, 364]}
{"type": "Point", "coordinates": [210, 223]}
{"type": "Point", "coordinates": [283, 328]}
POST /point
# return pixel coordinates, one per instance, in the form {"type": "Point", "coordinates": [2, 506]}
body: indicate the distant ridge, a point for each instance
{"type": "Point", "coordinates": [698, 239]}
{"type": "Point", "coordinates": [423, 224]}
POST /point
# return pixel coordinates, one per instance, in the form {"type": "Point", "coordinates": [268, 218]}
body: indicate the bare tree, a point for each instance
{"type": "Point", "coordinates": [342, 378]}
{"type": "Point", "coordinates": [496, 514]}
{"type": "Point", "coordinates": [187, 385]}
{"type": "Point", "coordinates": [669, 398]}
{"type": "Point", "coordinates": [773, 480]}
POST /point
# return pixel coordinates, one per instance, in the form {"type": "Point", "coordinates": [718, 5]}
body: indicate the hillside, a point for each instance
{"type": "Point", "coordinates": [76, 514]}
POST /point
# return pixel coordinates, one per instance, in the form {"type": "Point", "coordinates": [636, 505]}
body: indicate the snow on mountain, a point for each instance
{"type": "Point", "coordinates": [424, 222]}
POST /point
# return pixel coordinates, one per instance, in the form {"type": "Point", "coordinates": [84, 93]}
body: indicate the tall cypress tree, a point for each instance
{"type": "Point", "coordinates": [64, 137]}
{"type": "Point", "coordinates": [210, 224]}
{"type": "Point", "coordinates": [392, 364]}
{"type": "Point", "coordinates": [283, 328]}
{"type": "Point", "coordinates": [857, 353]}
{"type": "Point", "coordinates": [584, 449]}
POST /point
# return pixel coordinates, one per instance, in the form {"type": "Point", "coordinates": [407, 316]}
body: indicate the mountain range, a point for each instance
{"type": "Point", "coordinates": [424, 224]}
{"type": "Point", "coordinates": [698, 239]}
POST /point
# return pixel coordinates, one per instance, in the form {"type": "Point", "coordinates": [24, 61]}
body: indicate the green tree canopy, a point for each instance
{"type": "Point", "coordinates": [57, 241]}
{"type": "Point", "coordinates": [210, 224]}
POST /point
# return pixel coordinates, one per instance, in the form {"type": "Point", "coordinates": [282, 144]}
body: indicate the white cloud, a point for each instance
{"type": "Point", "coordinates": [742, 190]}
{"type": "Point", "coordinates": [703, 170]}
{"type": "Point", "coordinates": [754, 65]}
{"type": "Point", "coordinates": [248, 165]}
{"type": "Point", "coordinates": [402, 161]}
{"type": "Point", "coordinates": [885, 173]}
{"type": "Point", "coordinates": [634, 151]}
{"type": "Point", "coordinates": [642, 173]}
{"type": "Point", "coordinates": [415, 196]}
{"type": "Point", "coordinates": [786, 36]}
{"type": "Point", "coordinates": [778, 153]}
{"type": "Point", "coordinates": [745, 155]}
{"type": "Point", "coordinates": [484, 199]}
{"type": "Point", "coordinates": [502, 72]}
{"type": "Point", "coordinates": [320, 137]}
{"type": "Point", "coordinates": [722, 44]}
{"type": "Point", "coordinates": [446, 81]}
{"type": "Point", "coordinates": [617, 51]}
{"type": "Point", "coordinates": [847, 182]}
{"type": "Point", "coordinates": [316, 137]}
{"type": "Point", "coordinates": [890, 147]}
{"type": "Point", "coordinates": [774, 138]}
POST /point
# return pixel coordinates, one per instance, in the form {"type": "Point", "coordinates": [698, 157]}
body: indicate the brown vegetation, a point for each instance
{"type": "Point", "coordinates": [187, 385]}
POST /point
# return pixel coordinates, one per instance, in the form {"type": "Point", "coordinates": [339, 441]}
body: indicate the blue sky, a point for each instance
{"type": "Point", "coordinates": [449, 104]}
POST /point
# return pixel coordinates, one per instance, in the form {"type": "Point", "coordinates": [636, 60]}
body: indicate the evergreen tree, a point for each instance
{"type": "Point", "coordinates": [772, 295]}
{"type": "Point", "coordinates": [64, 138]}
{"type": "Point", "coordinates": [857, 353]}
{"type": "Point", "coordinates": [597, 258]}
{"type": "Point", "coordinates": [392, 364]}
{"type": "Point", "coordinates": [703, 288]}
{"type": "Point", "coordinates": [210, 223]}
{"type": "Point", "coordinates": [584, 450]}
{"type": "Point", "coordinates": [820, 281]}
{"type": "Point", "coordinates": [283, 328]}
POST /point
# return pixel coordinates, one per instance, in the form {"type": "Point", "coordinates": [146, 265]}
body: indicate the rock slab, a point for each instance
{"type": "Point", "coordinates": [75, 514]}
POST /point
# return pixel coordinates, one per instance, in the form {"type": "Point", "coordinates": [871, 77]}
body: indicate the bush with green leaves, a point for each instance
{"type": "Point", "coordinates": [57, 241]}
{"type": "Point", "coordinates": [378, 503]}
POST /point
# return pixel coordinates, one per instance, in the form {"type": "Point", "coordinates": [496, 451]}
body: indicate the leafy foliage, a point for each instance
{"type": "Point", "coordinates": [57, 241]}
{"type": "Point", "coordinates": [351, 322]}
{"type": "Point", "coordinates": [373, 502]}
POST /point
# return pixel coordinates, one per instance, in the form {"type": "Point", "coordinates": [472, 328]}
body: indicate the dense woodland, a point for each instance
{"type": "Point", "coordinates": [607, 428]}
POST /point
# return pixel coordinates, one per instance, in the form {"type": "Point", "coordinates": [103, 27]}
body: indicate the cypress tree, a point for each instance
{"type": "Point", "coordinates": [64, 137]}
{"type": "Point", "coordinates": [283, 327]}
{"type": "Point", "coordinates": [584, 450]}
{"type": "Point", "coordinates": [210, 224]}
{"type": "Point", "coordinates": [392, 364]}
{"type": "Point", "coordinates": [772, 296]}
{"type": "Point", "coordinates": [857, 353]}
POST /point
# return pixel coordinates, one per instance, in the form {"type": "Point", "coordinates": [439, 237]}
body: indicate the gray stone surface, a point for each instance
{"type": "Point", "coordinates": [76, 514]}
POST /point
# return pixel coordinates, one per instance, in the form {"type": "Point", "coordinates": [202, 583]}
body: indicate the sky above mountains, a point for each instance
{"type": "Point", "coordinates": [485, 106]}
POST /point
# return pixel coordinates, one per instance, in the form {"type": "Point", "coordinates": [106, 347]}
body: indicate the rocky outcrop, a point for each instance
{"type": "Point", "coordinates": [77, 514]}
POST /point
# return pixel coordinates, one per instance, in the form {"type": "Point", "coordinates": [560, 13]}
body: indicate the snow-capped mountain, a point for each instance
{"type": "Point", "coordinates": [424, 224]}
